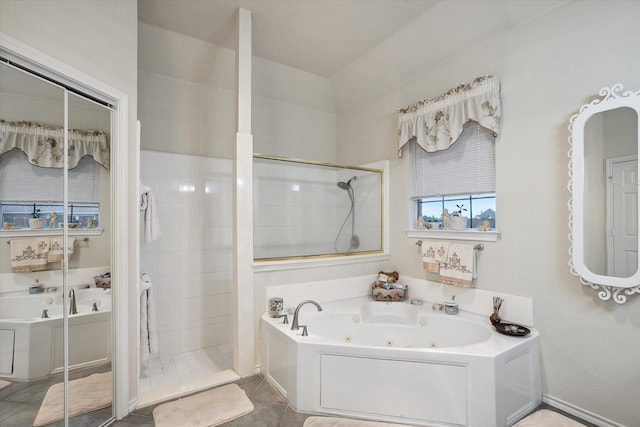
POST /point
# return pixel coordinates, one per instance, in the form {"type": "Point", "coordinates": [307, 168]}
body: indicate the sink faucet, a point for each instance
{"type": "Point", "coordinates": [295, 326]}
{"type": "Point", "coordinates": [73, 309]}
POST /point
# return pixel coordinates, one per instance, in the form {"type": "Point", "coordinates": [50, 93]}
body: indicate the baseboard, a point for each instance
{"type": "Point", "coordinates": [579, 412]}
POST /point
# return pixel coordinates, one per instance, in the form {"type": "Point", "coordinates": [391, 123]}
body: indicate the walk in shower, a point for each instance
{"type": "Point", "coordinates": [305, 209]}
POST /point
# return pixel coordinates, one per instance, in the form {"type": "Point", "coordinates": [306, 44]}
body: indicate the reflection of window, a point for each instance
{"type": "Point", "coordinates": [462, 175]}
{"type": "Point", "coordinates": [23, 186]}
{"type": "Point", "coordinates": [18, 213]}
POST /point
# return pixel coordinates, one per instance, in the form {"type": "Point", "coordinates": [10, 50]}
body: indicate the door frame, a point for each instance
{"type": "Point", "coordinates": [609, 163]}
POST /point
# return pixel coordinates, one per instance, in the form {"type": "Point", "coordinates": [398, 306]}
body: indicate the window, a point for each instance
{"type": "Point", "coordinates": [479, 207]}
{"type": "Point", "coordinates": [463, 175]}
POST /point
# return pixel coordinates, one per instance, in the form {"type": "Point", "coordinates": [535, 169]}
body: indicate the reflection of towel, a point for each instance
{"type": "Point", "coordinates": [56, 249]}
{"type": "Point", "coordinates": [148, 330]}
{"type": "Point", "coordinates": [459, 267]}
{"type": "Point", "coordinates": [433, 254]}
{"type": "Point", "coordinates": [27, 256]}
{"type": "Point", "coordinates": [151, 219]}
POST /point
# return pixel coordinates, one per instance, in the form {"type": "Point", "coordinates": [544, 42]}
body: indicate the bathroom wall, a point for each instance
{"type": "Point", "coordinates": [187, 101]}
{"type": "Point", "coordinates": [548, 67]}
{"type": "Point", "coordinates": [105, 49]}
{"type": "Point", "coordinates": [191, 262]}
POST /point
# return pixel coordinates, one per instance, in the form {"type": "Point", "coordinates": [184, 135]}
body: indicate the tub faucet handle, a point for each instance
{"type": "Point", "coordinates": [285, 319]}
{"type": "Point", "coordinates": [95, 307]}
{"type": "Point", "coordinates": [45, 314]}
{"type": "Point", "coordinates": [304, 330]}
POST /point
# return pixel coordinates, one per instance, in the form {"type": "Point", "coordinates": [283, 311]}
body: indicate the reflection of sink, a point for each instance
{"type": "Point", "coordinates": [389, 312]}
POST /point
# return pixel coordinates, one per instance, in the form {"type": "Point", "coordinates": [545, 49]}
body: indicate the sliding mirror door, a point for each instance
{"type": "Point", "coordinates": [60, 345]}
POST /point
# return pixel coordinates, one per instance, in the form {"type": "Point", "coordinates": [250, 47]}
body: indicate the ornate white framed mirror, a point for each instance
{"type": "Point", "coordinates": [603, 171]}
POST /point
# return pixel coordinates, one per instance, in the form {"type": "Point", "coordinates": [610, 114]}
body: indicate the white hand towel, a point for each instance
{"type": "Point", "coordinates": [25, 256]}
{"type": "Point", "coordinates": [151, 219]}
{"type": "Point", "coordinates": [56, 249]}
{"type": "Point", "coordinates": [148, 329]}
{"type": "Point", "coordinates": [433, 254]}
{"type": "Point", "coordinates": [460, 266]}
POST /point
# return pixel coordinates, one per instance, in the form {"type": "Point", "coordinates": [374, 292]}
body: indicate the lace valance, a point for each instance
{"type": "Point", "coordinates": [437, 123]}
{"type": "Point", "coordinates": [44, 145]}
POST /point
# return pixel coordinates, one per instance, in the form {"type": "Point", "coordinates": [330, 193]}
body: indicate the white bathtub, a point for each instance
{"type": "Point", "coordinates": [31, 347]}
{"type": "Point", "coordinates": [402, 363]}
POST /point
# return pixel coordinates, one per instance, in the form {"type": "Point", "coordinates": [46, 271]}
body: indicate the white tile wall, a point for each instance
{"type": "Point", "coordinates": [190, 264]}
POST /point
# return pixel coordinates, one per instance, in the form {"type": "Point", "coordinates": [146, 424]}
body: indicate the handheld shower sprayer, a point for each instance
{"type": "Point", "coordinates": [347, 185]}
{"type": "Point", "coordinates": [354, 242]}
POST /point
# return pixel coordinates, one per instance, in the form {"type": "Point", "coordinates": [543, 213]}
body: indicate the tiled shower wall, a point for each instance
{"type": "Point", "coordinates": [191, 263]}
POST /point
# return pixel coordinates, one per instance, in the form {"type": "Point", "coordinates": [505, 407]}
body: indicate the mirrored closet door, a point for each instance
{"type": "Point", "coordinates": [55, 255]}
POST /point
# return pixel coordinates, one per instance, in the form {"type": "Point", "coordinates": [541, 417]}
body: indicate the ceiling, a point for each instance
{"type": "Point", "coordinates": [366, 48]}
{"type": "Point", "coordinates": [319, 36]}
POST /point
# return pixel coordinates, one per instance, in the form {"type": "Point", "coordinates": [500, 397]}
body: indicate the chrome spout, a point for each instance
{"type": "Point", "coordinates": [73, 309]}
{"type": "Point", "coordinates": [295, 326]}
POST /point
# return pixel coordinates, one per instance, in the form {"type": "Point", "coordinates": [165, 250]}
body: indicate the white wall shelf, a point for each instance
{"type": "Point", "coordinates": [469, 234]}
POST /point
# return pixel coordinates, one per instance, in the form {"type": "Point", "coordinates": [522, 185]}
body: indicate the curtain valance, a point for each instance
{"type": "Point", "coordinates": [44, 145]}
{"type": "Point", "coordinates": [437, 123]}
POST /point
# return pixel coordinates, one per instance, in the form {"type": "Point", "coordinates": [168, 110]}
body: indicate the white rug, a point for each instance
{"type": "Point", "coordinates": [344, 422]}
{"type": "Point", "coordinates": [4, 384]}
{"type": "Point", "coordinates": [85, 395]}
{"type": "Point", "coordinates": [206, 409]}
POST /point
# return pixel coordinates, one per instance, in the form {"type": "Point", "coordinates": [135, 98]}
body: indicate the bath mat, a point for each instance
{"type": "Point", "coordinates": [345, 422]}
{"type": "Point", "coordinates": [85, 395]}
{"type": "Point", "coordinates": [209, 408]}
{"type": "Point", "coordinates": [4, 384]}
{"type": "Point", "coordinates": [547, 418]}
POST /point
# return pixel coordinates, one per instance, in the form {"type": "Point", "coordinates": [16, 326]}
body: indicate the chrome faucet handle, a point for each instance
{"type": "Point", "coordinates": [45, 314]}
{"type": "Point", "coordinates": [282, 316]}
{"type": "Point", "coordinates": [304, 331]}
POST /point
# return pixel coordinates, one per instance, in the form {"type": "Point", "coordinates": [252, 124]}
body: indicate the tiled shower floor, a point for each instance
{"type": "Point", "coordinates": [165, 377]}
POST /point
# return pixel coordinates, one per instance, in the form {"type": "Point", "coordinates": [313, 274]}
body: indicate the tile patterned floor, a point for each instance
{"type": "Point", "coordinates": [271, 409]}
{"type": "Point", "coordinates": [19, 404]}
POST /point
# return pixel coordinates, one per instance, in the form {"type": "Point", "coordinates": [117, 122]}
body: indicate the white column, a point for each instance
{"type": "Point", "coordinates": [243, 354]}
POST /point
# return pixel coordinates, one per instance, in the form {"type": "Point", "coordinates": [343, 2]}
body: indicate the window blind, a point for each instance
{"type": "Point", "coordinates": [467, 167]}
{"type": "Point", "coordinates": [20, 181]}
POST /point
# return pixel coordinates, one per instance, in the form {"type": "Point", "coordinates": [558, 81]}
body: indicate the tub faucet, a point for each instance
{"type": "Point", "coordinates": [73, 309]}
{"type": "Point", "coordinates": [295, 326]}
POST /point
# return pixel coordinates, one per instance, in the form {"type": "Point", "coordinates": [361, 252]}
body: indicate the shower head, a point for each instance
{"type": "Point", "coordinates": [346, 185]}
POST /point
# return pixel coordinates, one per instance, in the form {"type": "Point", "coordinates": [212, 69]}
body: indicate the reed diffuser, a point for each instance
{"type": "Point", "coordinates": [495, 316]}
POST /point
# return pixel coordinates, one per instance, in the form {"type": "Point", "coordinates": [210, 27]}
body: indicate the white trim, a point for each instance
{"type": "Point", "coordinates": [243, 324]}
{"type": "Point", "coordinates": [28, 232]}
{"type": "Point", "coordinates": [46, 65]}
{"type": "Point", "coordinates": [470, 234]}
{"type": "Point", "coordinates": [581, 413]}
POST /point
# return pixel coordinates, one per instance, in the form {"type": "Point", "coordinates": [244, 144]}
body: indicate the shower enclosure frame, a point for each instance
{"type": "Point", "coordinates": [382, 206]}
